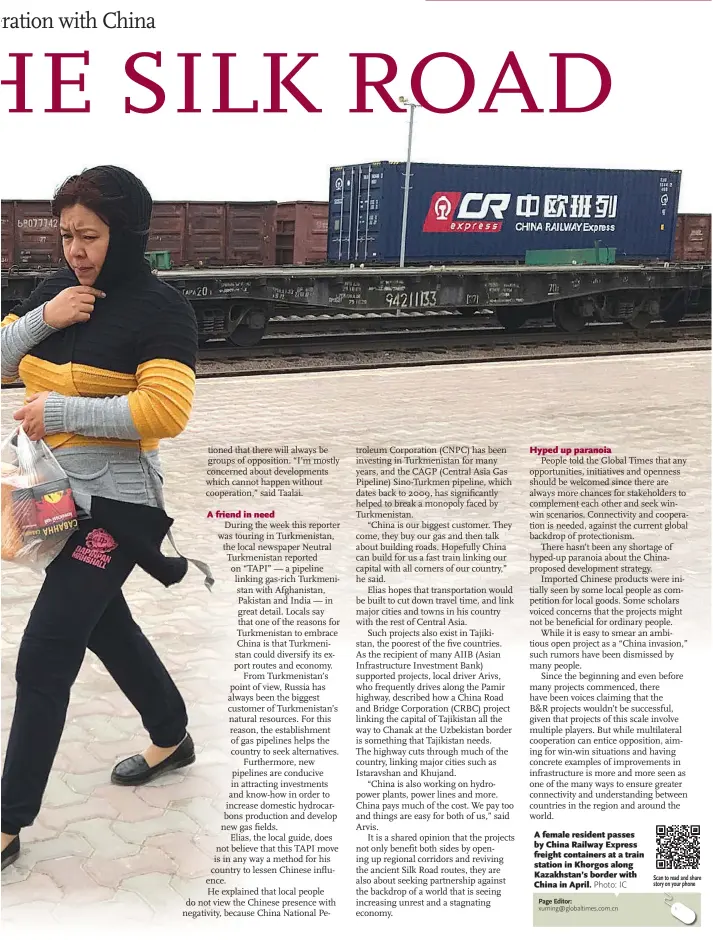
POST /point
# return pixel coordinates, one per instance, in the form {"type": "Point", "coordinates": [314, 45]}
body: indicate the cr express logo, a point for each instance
{"type": "Point", "coordinates": [466, 212]}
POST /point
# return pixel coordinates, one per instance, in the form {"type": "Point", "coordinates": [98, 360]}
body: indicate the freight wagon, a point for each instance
{"type": "Point", "coordinates": [212, 234]}
{"type": "Point", "coordinates": [236, 303]}
{"type": "Point", "coordinates": [301, 234]}
{"type": "Point", "coordinates": [693, 238]}
{"type": "Point", "coordinates": [196, 234]}
{"type": "Point", "coordinates": [498, 213]}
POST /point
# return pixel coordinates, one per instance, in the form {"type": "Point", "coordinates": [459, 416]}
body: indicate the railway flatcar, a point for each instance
{"type": "Point", "coordinates": [242, 263]}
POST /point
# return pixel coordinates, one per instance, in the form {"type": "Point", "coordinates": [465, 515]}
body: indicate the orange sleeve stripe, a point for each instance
{"type": "Point", "coordinates": [161, 404]}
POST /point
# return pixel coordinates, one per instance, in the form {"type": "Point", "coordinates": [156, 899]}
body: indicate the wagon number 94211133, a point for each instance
{"type": "Point", "coordinates": [416, 298]}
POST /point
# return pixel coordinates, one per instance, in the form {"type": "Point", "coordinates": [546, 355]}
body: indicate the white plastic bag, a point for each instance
{"type": "Point", "coordinates": [38, 510]}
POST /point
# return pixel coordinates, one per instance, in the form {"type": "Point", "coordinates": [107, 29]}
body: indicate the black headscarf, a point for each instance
{"type": "Point", "coordinates": [127, 211]}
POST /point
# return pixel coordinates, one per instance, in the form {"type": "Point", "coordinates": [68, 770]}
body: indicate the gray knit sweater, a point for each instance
{"type": "Point", "coordinates": [93, 417]}
{"type": "Point", "coordinates": [116, 473]}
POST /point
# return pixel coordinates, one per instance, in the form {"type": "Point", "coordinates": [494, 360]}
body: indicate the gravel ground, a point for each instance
{"type": "Point", "coordinates": [379, 359]}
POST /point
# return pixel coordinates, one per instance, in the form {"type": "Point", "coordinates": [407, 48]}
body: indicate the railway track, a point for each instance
{"type": "Point", "coordinates": [328, 335]}
{"type": "Point", "coordinates": [350, 323]}
{"type": "Point", "coordinates": [421, 346]}
{"type": "Point", "coordinates": [365, 342]}
{"type": "Point", "coordinates": [328, 323]}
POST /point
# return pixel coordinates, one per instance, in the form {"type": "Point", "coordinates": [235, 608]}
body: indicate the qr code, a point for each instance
{"type": "Point", "coordinates": [678, 846]}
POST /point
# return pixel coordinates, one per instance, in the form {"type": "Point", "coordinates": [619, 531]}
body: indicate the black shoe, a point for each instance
{"type": "Point", "coordinates": [134, 770]}
{"type": "Point", "coordinates": [10, 852]}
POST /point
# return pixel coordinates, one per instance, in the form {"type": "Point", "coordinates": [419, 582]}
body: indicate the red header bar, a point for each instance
{"type": "Point", "coordinates": [568, 1]}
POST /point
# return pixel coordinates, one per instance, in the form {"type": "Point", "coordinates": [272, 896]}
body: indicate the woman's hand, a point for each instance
{"type": "Point", "coordinates": [72, 305]}
{"type": "Point", "coordinates": [32, 414]}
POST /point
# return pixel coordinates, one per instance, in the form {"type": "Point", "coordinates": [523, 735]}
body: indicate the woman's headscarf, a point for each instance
{"type": "Point", "coordinates": [126, 207]}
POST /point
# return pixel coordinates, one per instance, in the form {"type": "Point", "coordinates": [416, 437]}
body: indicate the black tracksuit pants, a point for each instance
{"type": "Point", "coordinates": [80, 606]}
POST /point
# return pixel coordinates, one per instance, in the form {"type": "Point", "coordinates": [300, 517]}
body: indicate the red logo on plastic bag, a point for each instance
{"type": "Point", "coordinates": [55, 507]}
{"type": "Point", "coordinates": [45, 510]}
{"type": "Point", "coordinates": [97, 544]}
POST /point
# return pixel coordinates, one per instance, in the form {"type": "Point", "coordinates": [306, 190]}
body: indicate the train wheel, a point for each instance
{"type": "Point", "coordinates": [250, 328]}
{"type": "Point", "coordinates": [673, 316]}
{"type": "Point", "coordinates": [638, 316]}
{"type": "Point", "coordinates": [640, 320]}
{"type": "Point", "coordinates": [675, 309]}
{"type": "Point", "coordinates": [511, 320]}
{"type": "Point", "coordinates": [568, 316]}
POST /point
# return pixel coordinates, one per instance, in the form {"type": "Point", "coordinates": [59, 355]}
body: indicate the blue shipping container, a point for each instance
{"type": "Point", "coordinates": [497, 213]}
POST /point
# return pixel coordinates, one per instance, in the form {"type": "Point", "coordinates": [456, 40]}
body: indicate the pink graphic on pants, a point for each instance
{"type": "Point", "coordinates": [97, 544]}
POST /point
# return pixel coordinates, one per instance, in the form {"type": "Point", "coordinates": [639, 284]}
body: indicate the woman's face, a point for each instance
{"type": "Point", "coordinates": [85, 241]}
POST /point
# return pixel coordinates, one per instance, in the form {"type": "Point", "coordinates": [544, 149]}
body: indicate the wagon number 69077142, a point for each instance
{"type": "Point", "coordinates": [418, 298]}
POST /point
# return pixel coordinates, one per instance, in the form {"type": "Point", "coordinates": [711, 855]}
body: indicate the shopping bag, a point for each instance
{"type": "Point", "coordinates": [38, 509]}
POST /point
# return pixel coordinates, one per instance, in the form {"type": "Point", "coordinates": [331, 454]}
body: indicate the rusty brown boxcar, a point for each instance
{"type": "Point", "coordinates": [693, 238]}
{"type": "Point", "coordinates": [30, 235]}
{"type": "Point", "coordinates": [197, 234]}
{"type": "Point", "coordinates": [206, 234]}
{"type": "Point", "coordinates": [302, 232]}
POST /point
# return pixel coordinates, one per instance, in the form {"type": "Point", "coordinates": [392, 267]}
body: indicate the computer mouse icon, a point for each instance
{"type": "Point", "coordinates": [683, 913]}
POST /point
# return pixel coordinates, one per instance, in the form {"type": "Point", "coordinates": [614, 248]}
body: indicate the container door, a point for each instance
{"type": "Point", "coordinates": [342, 213]}
{"type": "Point", "coordinates": [370, 189]}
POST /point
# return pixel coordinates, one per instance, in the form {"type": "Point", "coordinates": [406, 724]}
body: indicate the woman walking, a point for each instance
{"type": "Point", "coordinates": [107, 353]}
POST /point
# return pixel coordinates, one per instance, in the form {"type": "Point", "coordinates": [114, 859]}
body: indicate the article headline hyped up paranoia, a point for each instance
{"type": "Point", "coordinates": [225, 83]}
